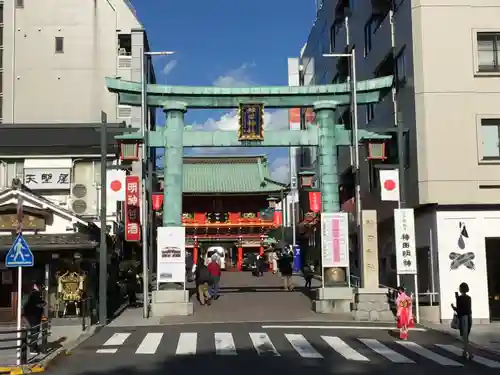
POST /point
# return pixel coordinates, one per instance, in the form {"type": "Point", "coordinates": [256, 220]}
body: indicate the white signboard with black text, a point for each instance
{"type": "Point", "coordinates": [404, 235]}
{"type": "Point", "coordinates": [47, 178]}
{"type": "Point", "coordinates": [171, 252]}
{"type": "Point", "coordinates": [335, 239]}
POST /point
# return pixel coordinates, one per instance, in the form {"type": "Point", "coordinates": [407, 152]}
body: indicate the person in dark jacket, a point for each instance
{"type": "Point", "coordinates": [203, 282]}
{"type": "Point", "coordinates": [286, 269]}
{"type": "Point", "coordinates": [463, 309]}
{"type": "Point", "coordinates": [262, 265]}
{"type": "Point", "coordinates": [131, 285]}
{"type": "Point", "coordinates": [33, 313]}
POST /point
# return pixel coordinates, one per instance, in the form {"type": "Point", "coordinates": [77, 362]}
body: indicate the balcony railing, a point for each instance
{"type": "Point", "coordinates": [227, 219]}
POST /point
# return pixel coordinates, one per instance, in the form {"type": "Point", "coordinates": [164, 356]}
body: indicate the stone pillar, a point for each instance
{"type": "Point", "coordinates": [371, 301]}
{"type": "Point", "coordinates": [170, 299]}
{"type": "Point", "coordinates": [174, 152]}
{"type": "Point", "coordinates": [330, 299]}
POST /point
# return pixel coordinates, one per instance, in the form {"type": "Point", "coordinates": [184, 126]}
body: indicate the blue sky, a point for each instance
{"type": "Point", "coordinates": [230, 43]}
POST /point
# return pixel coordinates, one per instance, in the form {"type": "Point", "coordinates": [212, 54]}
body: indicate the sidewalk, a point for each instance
{"type": "Point", "coordinates": [484, 336]}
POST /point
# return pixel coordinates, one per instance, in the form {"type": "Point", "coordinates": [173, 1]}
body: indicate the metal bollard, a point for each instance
{"type": "Point", "coordinates": [84, 312]}
{"type": "Point", "coordinates": [45, 336]}
{"type": "Point", "coordinates": [24, 347]}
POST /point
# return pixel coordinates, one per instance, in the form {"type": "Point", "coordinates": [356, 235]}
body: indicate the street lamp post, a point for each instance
{"type": "Point", "coordinates": [355, 141]}
{"type": "Point", "coordinates": [147, 173]}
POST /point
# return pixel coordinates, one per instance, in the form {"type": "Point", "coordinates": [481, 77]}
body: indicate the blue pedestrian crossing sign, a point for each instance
{"type": "Point", "coordinates": [19, 254]}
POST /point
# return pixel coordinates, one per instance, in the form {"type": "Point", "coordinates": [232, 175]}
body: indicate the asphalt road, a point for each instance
{"type": "Point", "coordinates": [264, 349]}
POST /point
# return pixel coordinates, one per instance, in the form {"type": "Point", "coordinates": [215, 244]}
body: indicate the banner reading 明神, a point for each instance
{"type": "Point", "coordinates": [171, 253]}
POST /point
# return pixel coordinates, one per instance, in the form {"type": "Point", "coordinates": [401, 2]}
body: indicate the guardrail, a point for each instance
{"type": "Point", "coordinates": [36, 338]}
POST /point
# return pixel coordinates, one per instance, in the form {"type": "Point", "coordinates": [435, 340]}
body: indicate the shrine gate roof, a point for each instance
{"type": "Point", "coordinates": [228, 174]}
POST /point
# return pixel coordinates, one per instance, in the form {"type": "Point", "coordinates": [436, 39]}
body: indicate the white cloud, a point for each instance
{"type": "Point", "coordinates": [274, 120]}
{"type": "Point", "coordinates": [167, 69]}
{"type": "Point", "coordinates": [236, 78]}
{"type": "Point", "coordinates": [280, 169]}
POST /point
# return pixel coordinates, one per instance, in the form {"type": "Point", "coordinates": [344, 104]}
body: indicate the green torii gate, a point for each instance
{"type": "Point", "coordinates": [326, 135]}
{"type": "Point", "coordinates": [175, 100]}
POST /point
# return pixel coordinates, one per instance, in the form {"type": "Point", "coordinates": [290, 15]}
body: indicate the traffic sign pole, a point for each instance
{"type": "Point", "coordinates": [19, 311]}
{"type": "Point", "coordinates": [19, 256]}
{"type": "Point", "coordinates": [19, 282]}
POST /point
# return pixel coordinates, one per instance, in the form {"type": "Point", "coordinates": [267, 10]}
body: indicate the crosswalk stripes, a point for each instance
{"type": "Point", "coordinates": [224, 345]}
{"type": "Point", "coordinates": [263, 344]}
{"type": "Point", "coordinates": [117, 339]}
{"type": "Point", "coordinates": [187, 343]}
{"type": "Point", "coordinates": [150, 343]}
{"type": "Point", "coordinates": [414, 347]}
{"type": "Point", "coordinates": [302, 346]}
{"type": "Point", "coordinates": [343, 349]}
{"type": "Point", "coordinates": [478, 359]}
{"type": "Point", "coordinates": [385, 351]}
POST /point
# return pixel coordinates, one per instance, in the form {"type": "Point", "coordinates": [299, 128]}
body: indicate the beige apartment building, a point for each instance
{"type": "Point", "coordinates": [54, 58]}
{"type": "Point", "coordinates": [445, 57]}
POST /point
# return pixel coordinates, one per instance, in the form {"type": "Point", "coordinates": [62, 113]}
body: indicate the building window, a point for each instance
{"type": "Point", "coordinates": [397, 4]}
{"type": "Point", "coordinates": [19, 3]}
{"type": "Point", "coordinates": [59, 44]}
{"type": "Point", "coordinates": [490, 137]}
{"type": "Point", "coordinates": [333, 32]}
{"type": "Point", "coordinates": [488, 52]}
{"type": "Point", "coordinates": [368, 37]}
{"type": "Point", "coordinates": [370, 112]}
{"type": "Point", "coordinates": [401, 68]}
{"type": "Point", "coordinates": [373, 177]}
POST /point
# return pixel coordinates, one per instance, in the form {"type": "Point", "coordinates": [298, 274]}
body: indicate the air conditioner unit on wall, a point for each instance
{"type": "Point", "coordinates": [84, 193]}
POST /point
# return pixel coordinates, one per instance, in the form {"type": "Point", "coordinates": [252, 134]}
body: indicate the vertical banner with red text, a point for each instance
{"type": "Point", "coordinates": [132, 209]}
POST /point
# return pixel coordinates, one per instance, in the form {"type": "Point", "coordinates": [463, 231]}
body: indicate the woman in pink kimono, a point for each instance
{"type": "Point", "coordinates": [404, 313]}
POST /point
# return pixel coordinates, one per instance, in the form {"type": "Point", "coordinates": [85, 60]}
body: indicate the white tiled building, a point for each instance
{"type": "Point", "coordinates": [445, 56]}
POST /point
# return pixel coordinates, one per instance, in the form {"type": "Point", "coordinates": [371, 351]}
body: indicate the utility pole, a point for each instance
{"type": "Point", "coordinates": [103, 248]}
{"type": "Point", "coordinates": [147, 176]}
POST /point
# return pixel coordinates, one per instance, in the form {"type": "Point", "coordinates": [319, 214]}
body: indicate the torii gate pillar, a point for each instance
{"type": "Point", "coordinates": [173, 165]}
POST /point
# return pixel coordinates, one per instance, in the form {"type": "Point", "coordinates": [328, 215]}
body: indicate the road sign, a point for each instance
{"type": "Point", "coordinates": [19, 254]}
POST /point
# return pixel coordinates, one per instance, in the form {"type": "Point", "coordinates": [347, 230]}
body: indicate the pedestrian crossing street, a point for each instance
{"type": "Point", "coordinates": [260, 343]}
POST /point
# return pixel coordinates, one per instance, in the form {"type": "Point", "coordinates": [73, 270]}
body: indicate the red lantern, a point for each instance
{"type": "Point", "coordinates": [157, 201]}
{"type": "Point", "coordinates": [315, 201]}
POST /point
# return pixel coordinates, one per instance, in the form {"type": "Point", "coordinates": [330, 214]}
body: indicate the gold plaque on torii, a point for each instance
{"type": "Point", "coordinates": [251, 122]}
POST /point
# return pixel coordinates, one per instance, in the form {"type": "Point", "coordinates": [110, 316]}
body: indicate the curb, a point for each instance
{"type": "Point", "coordinates": [457, 337]}
{"type": "Point", "coordinates": [52, 358]}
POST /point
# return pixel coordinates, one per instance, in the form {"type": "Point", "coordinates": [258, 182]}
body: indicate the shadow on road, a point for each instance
{"type": "Point", "coordinates": [244, 363]}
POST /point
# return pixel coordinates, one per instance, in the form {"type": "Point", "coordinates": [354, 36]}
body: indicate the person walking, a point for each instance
{"type": "Point", "coordinates": [463, 311]}
{"type": "Point", "coordinates": [404, 314]}
{"type": "Point", "coordinates": [286, 269]}
{"type": "Point", "coordinates": [274, 262]}
{"type": "Point", "coordinates": [308, 275]}
{"type": "Point", "coordinates": [203, 281]}
{"type": "Point", "coordinates": [214, 269]}
{"type": "Point", "coordinates": [33, 313]}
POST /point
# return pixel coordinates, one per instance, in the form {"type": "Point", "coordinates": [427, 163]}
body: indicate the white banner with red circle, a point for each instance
{"type": "Point", "coordinates": [115, 189]}
{"type": "Point", "coordinates": [389, 185]}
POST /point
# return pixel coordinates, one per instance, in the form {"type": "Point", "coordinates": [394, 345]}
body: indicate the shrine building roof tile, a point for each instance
{"type": "Point", "coordinates": [228, 174]}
